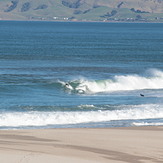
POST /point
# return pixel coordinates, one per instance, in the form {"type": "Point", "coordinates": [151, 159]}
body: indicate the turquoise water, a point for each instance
{"type": "Point", "coordinates": [65, 74]}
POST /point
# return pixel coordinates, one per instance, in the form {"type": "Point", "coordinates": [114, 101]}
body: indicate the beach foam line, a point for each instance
{"type": "Point", "coordinates": [147, 124]}
{"type": "Point", "coordinates": [45, 118]}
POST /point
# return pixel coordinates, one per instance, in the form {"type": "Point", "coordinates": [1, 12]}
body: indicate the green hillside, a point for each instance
{"type": "Point", "coordinates": [82, 10]}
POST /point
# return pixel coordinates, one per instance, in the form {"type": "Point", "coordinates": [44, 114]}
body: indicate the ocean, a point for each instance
{"type": "Point", "coordinates": [80, 74]}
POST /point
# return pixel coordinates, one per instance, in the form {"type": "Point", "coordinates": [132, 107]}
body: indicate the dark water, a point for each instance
{"type": "Point", "coordinates": [55, 74]}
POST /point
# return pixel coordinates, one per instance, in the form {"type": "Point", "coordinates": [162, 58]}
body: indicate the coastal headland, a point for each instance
{"type": "Point", "coordinates": [82, 10]}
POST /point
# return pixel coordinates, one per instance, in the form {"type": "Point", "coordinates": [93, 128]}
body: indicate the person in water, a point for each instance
{"type": "Point", "coordinates": [66, 84]}
{"type": "Point", "coordinates": [141, 95]}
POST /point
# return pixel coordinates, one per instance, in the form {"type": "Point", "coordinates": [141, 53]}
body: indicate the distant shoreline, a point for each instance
{"type": "Point", "coordinates": [80, 21]}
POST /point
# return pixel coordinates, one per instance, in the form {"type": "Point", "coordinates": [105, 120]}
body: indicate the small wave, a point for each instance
{"type": "Point", "coordinates": [42, 118]}
{"type": "Point", "coordinates": [154, 80]}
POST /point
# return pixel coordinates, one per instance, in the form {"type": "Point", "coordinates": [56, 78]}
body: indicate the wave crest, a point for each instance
{"type": "Point", "coordinates": [154, 80]}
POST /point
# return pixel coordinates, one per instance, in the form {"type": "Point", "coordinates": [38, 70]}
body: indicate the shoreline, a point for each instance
{"type": "Point", "coordinates": [61, 21]}
{"type": "Point", "coordinates": [82, 145]}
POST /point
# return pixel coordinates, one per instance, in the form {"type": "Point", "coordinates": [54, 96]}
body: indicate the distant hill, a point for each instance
{"type": "Point", "coordinates": [82, 10]}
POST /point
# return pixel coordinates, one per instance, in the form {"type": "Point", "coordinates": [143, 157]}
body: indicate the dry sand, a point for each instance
{"type": "Point", "coordinates": [108, 145]}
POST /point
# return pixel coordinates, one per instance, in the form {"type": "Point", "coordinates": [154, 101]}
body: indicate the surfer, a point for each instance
{"type": "Point", "coordinates": [141, 95]}
{"type": "Point", "coordinates": [68, 86]}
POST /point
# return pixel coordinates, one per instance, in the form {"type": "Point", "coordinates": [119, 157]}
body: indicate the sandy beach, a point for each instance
{"type": "Point", "coordinates": [108, 145]}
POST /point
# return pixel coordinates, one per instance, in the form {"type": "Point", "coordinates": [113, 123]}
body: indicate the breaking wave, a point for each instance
{"type": "Point", "coordinates": [54, 118]}
{"type": "Point", "coordinates": [154, 80]}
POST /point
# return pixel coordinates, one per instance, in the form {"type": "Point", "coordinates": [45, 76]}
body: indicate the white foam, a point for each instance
{"type": "Point", "coordinates": [122, 83]}
{"type": "Point", "coordinates": [147, 124]}
{"type": "Point", "coordinates": [36, 118]}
